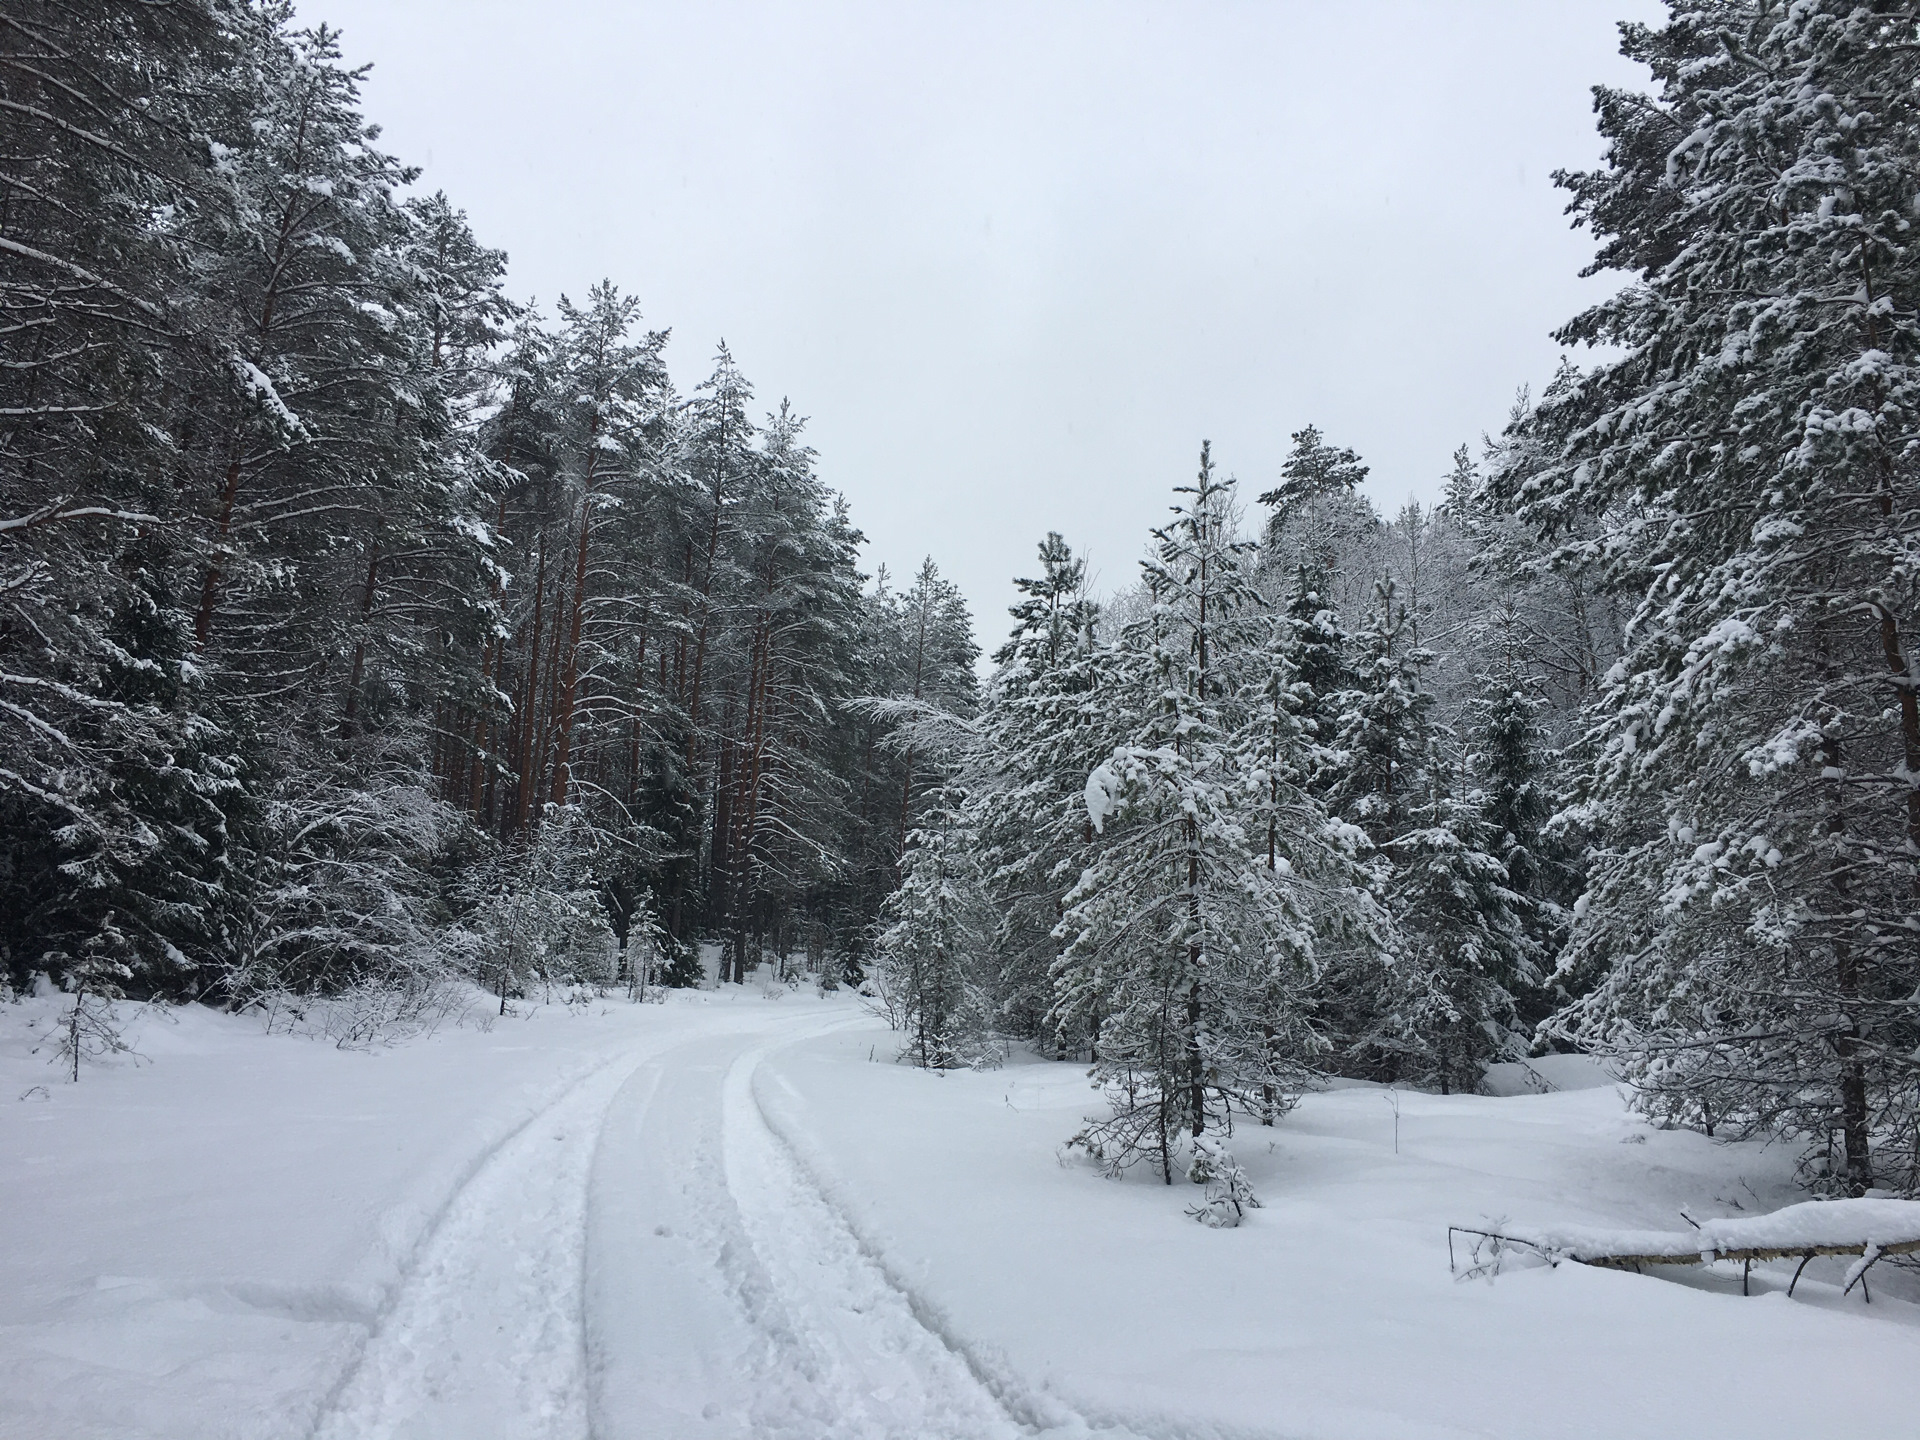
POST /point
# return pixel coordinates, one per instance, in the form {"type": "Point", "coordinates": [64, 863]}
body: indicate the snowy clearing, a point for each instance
{"type": "Point", "coordinates": [720, 1217]}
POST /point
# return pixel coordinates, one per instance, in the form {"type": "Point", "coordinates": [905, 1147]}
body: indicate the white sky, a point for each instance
{"type": "Point", "coordinates": [1016, 260]}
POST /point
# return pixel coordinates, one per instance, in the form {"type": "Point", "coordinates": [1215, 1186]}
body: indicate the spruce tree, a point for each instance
{"type": "Point", "coordinates": [1043, 726]}
{"type": "Point", "coordinates": [1383, 735]}
{"type": "Point", "coordinates": [1465, 949]}
{"type": "Point", "coordinates": [1515, 772]}
{"type": "Point", "coordinates": [935, 947]}
{"type": "Point", "coordinates": [1317, 652]}
{"type": "Point", "coordinates": [1746, 464]}
{"type": "Point", "coordinates": [1180, 937]}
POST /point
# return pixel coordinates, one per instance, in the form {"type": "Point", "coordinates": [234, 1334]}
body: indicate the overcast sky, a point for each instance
{"type": "Point", "coordinates": [1016, 261]}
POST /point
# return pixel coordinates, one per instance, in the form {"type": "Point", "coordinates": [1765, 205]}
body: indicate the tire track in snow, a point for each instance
{"type": "Point", "coordinates": [691, 1334]}
{"type": "Point", "coordinates": [891, 1358]}
{"type": "Point", "coordinates": [485, 1336]}
{"type": "Point", "coordinates": [835, 1318]}
{"type": "Point", "coordinates": [1032, 1412]}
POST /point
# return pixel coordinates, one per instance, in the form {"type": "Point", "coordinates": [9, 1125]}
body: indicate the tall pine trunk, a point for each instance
{"type": "Point", "coordinates": [524, 729]}
{"type": "Point", "coordinates": [350, 714]}
{"type": "Point", "coordinates": [564, 706]}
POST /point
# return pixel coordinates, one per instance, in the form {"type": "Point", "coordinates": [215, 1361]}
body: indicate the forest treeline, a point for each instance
{"type": "Point", "coordinates": [1616, 749]}
{"type": "Point", "coordinates": [362, 626]}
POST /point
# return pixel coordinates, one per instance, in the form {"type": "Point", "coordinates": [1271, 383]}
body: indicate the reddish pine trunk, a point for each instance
{"type": "Point", "coordinates": [491, 654]}
{"type": "Point", "coordinates": [357, 669]}
{"type": "Point", "coordinates": [639, 694]}
{"type": "Point", "coordinates": [523, 757]}
{"type": "Point", "coordinates": [751, 767]}
{"type": "Point", "coordinates": [569, 685]}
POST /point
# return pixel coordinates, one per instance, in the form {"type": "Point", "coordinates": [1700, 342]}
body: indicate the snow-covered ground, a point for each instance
{"type": "Point", "coordinates": [729, 1216]}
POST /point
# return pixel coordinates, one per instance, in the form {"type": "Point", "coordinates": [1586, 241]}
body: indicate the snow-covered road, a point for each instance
{"type": "Point", "coordinates": [258, 1236]}
{"type": "Point", "coordinates": [716, 1219]}
{"type": "Point", "coordinates": [647, 1257]}
{"type": "Point", "coordinates": [727, 1298]}
{"type": "Point", "coordinates": [485, 1335]}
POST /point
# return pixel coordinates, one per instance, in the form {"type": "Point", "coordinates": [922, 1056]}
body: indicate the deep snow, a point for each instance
{"type": "Point", "coordinates": [729, 1215]}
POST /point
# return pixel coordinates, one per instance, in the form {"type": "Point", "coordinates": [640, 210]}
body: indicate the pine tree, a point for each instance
{"type": "Point", "coordinates": [1056, 619]}
{"type": "Point", "coordinates": [325, 571]}
{"type": "Point", "coordinates": [1313, 470]}
{"type": "Point", "coordinates": [1180, 937]}
{"type": "Point", "coordinates": [1752, 896]}
{"type": "Point", "coordinates": [116, 788]}
{"type": "Point", "coordinates": [936, 663]}
{"type": "Point", "coordinates": [1462, 484]}
{"type": "Point", "coordinates": [1319, 514]}
{"type": "Point", "coordinates": [936, 943]}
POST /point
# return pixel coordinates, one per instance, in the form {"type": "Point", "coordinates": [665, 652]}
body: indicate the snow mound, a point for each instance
{"type": "Point", "coordinates": [1547, 1075]}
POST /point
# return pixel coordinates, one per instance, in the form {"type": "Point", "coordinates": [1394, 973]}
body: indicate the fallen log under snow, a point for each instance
{"type": "Point", "coordinates": [1869, 1229]}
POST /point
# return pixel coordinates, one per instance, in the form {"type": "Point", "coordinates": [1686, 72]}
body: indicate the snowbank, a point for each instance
{"type": "Point", "coordinates": [1546, 1075]}
{"type": "Point", "coordinates": [1330, 1311]}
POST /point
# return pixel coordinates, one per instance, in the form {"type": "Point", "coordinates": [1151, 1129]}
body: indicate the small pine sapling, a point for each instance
{"type": "Point", "coordinates": [1229, 1194]}
{"type": "Point", "coordinates": [91, 1028]}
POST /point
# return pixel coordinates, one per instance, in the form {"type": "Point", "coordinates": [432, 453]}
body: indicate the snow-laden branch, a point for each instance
{"type": "Point", "coordinates": [56, 511]}
{"type": "Point", "coordinates": [917, 725]}
{"type": "Point", "coordinates": [27, 252]}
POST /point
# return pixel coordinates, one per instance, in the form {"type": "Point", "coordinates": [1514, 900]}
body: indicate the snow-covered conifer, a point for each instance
{"type": "Point", "coordinates": [1179, 935]}
{"type": "Point", "coordinates": [1464, 946]}
{"type": "Point", "coordinates": [1056, 620]}
{"type": "Point", "coordinates": [1747, 465]}
{"type": "Point", "coordinates": [934, 949]}
{"type": "Point", "coordinates": [1384, 733]}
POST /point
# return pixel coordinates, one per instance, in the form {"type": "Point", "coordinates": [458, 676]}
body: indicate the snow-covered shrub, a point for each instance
{"type": "Point", "coordinates": [337, 884]}
{"type": "Point", "coordinates": [531, 935]}
{"type": "Point", "coordinates": [680, 967]}
{"type": "Point", "coordinates": [1490, 1253]}
{"type": "Point", "coordinates": [1229, 1193]}
{"type": "Point", "coordinates": [370, 1013]}
{"type": "Point", "coordinates": [538, 916]}
{"type": "Point", "coordinates": [91, 1028]}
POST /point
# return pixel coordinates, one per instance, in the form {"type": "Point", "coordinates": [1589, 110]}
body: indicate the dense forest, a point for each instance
{"type": "Point", "coordinates": [362, 626]}
{"type": "Point", "coordinates": [1616, 749]}
{"type": "Point", "coordinates": [364, 629]}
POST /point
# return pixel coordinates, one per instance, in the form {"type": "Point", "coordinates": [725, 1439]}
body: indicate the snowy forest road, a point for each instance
{"type": "Point", "coordinates": [727, 1296]}
{"type": "Point", "coordinates": [485, 1335]}
{"type": "Point", "coordinates": [647, 1257]}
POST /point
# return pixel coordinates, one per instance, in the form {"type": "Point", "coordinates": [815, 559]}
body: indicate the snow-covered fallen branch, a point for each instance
{"type": "Point", "coordinates": [1868, 1228]}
